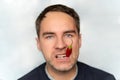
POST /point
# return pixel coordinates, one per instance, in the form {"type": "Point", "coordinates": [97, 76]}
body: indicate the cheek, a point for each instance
{"type": "Point", "coordinates": [46, 48]}
{"type": "Point", "coordinates": [76, 46]}
{"type": "Point", "coordinates": [76, 43]}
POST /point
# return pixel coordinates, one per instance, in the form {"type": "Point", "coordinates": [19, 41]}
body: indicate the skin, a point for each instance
{"type": "Point", "coordinates": [57, 30]}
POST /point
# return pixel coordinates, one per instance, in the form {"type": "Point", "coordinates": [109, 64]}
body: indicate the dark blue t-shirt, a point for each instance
{"type": "Point", "coordinates": [85, 72]}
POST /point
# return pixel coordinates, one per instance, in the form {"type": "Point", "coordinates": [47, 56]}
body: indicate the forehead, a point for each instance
{"type": "Point", "coordinates": [55, 16]}
{"type": "Point", "coordinates": [57, 21]}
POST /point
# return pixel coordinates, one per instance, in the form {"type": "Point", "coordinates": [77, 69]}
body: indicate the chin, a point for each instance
{"type": "Point", "coordinates": [63, 68]}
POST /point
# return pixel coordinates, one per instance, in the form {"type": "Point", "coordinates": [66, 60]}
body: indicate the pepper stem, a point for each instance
{"type": "Point", "coordinates": [70, 46]}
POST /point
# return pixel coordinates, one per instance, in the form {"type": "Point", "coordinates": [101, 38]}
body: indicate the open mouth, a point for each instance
{"type": "Point", "coordinates": [60, 56]}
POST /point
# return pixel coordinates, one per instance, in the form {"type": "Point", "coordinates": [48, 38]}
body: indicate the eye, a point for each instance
{"type": "Point", "coordinates": [69, 35]}
{"type": "Point", "coordinates": [48, 37]}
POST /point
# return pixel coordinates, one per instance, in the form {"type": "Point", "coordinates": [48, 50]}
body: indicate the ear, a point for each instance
{"type": "Point", "coordinates": [80, 40]}
{"type": "Point", "coordinates": [38, 43]}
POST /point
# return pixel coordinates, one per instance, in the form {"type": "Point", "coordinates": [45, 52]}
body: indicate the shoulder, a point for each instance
{"type": "Point", "coordinates": [35, 73]}
{"type": "Point", "coordinates": [93, 73]}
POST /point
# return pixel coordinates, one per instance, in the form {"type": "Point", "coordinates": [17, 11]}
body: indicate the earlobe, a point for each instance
{"type": "Point", "coordinates": [38, 43]}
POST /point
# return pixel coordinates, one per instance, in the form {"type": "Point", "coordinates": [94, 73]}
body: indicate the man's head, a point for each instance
{"type": "Point", "coordinates": [58, 8]}
{"type": "Point", "coordinates": [57, 27]}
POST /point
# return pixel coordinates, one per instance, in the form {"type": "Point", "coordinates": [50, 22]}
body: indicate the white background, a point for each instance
{"type": "Point", "coordinates": [100, 28]}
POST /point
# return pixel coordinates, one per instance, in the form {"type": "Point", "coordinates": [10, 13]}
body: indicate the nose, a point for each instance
{"type": "Point", "coordinates": [60, 44]}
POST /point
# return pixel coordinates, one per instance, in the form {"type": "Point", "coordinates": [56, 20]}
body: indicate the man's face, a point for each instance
{"type": "Point", "coordinates": [57, 32]}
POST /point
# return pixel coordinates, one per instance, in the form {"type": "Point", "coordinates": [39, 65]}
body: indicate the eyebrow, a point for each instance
{"type": "Point", "coordinates": [47, 33]}
{"type": "Point", "coordinates": [70, 31]}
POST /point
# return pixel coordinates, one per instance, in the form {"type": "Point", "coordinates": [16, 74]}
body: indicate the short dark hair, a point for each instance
{"type": "Point", "coordinates": [58, 8]}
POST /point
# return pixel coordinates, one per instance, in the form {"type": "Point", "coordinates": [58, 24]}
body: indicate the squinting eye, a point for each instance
{"type": "Point", "coordinates": [69, 35]}
{"type": "Point", "coordinates": [48, 37]}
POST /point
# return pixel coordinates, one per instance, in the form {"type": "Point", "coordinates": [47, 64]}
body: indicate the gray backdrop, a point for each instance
{"type": "Point", "coordinates": [100, 28]}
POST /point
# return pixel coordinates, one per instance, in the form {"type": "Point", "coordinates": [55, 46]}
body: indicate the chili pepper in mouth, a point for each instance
{"type": "Point", "coordinates": [69, 50]}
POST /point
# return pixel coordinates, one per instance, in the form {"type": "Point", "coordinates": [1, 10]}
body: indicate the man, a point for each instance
{"type": "Point", "coordinates": [58, 32]}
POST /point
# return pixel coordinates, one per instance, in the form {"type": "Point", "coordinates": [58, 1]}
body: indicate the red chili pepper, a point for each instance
{"type": "Point", "coordinates": [68, 51]}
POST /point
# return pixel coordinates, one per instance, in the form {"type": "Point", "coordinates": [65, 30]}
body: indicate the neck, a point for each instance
{"type": "Point", "coordinates": [61, 75]}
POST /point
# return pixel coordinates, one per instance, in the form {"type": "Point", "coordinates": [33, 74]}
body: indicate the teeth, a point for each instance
{"type": "Point", "coordinates": [60, 56]}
